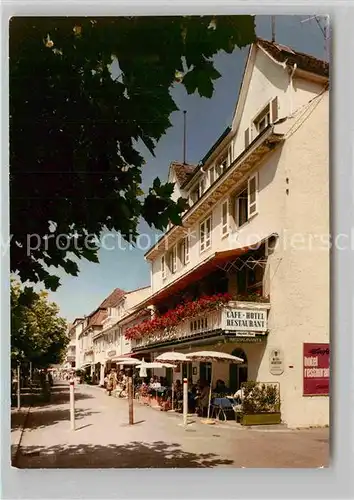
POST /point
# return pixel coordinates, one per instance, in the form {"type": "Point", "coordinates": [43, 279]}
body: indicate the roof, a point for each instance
{"type": "Point", "coordinates": [138, 289]}
{"type": "Point", "coordinates": [207, 156]}
{"type": "Point", "coordinates": [97, 318]}
{"type": "Point", "coordinates": [183, 171]}
{"type": "Point", "coordinates": [113, 299]}
{"type": "Point", "coordinates": [306, 62]}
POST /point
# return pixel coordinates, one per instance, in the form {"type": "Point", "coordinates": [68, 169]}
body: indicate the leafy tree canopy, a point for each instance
{"type": "Point", "coordinates": [74, 127]}
{"type": "Point", "coordinates": [38, 334]}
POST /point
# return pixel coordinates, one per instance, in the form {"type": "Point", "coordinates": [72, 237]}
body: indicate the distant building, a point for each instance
{"type": "Point", "coordinates": [100, 339]}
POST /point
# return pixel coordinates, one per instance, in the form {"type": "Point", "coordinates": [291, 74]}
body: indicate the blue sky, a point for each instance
{"type": "Point", "coordinates": [206, 120]}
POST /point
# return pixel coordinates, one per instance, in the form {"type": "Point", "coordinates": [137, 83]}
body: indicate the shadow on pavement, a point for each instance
{"type": "Point", "coordinates": [44, 418]}
{"type": "Point", "coordinates": [133, 455]}
{"type": "Point", "coordinates": [44, 413]}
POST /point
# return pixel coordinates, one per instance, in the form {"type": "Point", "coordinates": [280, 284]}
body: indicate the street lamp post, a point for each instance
{"type": "Point", "coordinates": [18, 386]}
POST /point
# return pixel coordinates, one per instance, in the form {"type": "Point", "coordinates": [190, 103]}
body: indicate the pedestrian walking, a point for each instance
{"type": "Point", "coordinates": [109, 383]}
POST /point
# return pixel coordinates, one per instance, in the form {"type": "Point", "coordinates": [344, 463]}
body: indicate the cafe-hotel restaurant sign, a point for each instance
{"type": "Point", "coordinates": [244, 322]}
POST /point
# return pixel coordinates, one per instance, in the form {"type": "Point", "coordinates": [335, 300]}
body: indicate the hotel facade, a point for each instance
{"type": "Point", "coordinates": [256, 235]}
{"type": "Point", "coordinates": [247, 272]}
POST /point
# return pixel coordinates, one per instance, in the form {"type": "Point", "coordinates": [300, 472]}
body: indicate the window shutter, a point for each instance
{"type": "Point", "coordinates": [247, 137]}
{"type": "Point", "coordinates": [252, 195]}
{"type": "Point", "coordinates": [274, 110]}
{"type": "Point", "coordinates": [211, 173]}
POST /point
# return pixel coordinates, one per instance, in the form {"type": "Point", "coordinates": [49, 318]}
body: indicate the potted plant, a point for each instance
{"type": "Point", "coordinates": [261, 403]}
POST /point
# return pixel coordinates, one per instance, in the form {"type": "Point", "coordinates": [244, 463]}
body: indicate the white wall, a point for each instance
{"type": "Point", "coordinates": [268, 80]}
{"type": "Point", "coordinates": [177, 192]}
{"type": "Point", "coordinates": [113, 331]}
{"type": "Point", "coordinates": [293, 199]}
{"type": "Point", "coordinates": [300, 284]}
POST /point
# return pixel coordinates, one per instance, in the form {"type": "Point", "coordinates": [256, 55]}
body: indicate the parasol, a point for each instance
{"type": "Point", "coordinates": [155, 365]}
{"type": "Point", "coordinates": [173, 357]}
{"type": "Point", "coordinates": [127, 361]}
{"type": "Point", "coordinates": [212, 357]}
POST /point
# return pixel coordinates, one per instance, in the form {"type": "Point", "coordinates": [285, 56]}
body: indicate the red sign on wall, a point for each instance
{"type": "Point", "coordinates": [316, 369]}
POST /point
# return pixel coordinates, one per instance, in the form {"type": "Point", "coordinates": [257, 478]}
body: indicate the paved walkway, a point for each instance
{"type": "Point", "coordinates": [103, 438]}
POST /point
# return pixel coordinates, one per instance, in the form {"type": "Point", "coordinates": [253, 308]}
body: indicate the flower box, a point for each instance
{"type": "Point", "coordinates": [154, 401]}
{"type": "Point", "coordinates": [260, 419]}
{"type": "Point", "coordinates": [166, 405]}
{"type": "Point", "coordinates": [260, 403]}
{"type": "Point", "coordinates": [168, 321]}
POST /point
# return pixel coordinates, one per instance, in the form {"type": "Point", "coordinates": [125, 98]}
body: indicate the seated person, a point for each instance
{"type": "Point", "coordinates": [239, 395]}
{"type": "Point", "coordinates": [203, 399]}
{"type": "Point", "coordinates": [192, 399]}
{"type": "Point", "coordinates": [154, 383]}
{"type": "Point", "coordinates": [178, 394]}
{"type": "Point", "coordinates": [220, 388]}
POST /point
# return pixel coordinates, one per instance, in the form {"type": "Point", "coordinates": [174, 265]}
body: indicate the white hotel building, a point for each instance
{"type": "Point", "coordinates": [258, 220]}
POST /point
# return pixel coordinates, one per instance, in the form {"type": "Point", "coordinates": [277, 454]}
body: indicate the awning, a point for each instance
{"type": "Point", "coordinates": [114, 358]}
{"type": "Point", "coordinates": [210, 264]}
{"type": "Point", "coordinates": [86, 365]}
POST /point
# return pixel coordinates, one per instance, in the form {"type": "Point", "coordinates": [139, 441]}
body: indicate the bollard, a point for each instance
{"type": "Point", "coordinates": [130, 398]}
{"type": "Point", "coordinates": [185, 401]}
{"type": "Point", "coordinates": [18, 387]}
{"type": "Point", "coordinates": [72, 404]}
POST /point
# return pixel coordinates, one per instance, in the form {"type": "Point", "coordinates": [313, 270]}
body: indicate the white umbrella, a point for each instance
{"type": "Point", "coordinates": [173, 357]}
{"type": "Point", "coordinates": [127, 361]}
{"type": "Point", "coordinates": [155, 365]}
{"type": "Point", "coordinates": [211, 357]}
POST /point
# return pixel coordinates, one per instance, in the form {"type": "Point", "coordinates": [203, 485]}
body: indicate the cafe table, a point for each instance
{"type": "Point", "coordinates": [221, 406]}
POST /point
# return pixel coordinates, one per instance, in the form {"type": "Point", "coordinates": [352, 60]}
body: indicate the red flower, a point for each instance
{"type": "Point", "coordinates": [186, 310]}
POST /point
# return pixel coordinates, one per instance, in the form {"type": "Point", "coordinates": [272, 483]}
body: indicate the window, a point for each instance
{"type": "Point", "coordinates": [184, 251]}
{"type": "Point", "coordinates": [195, 194]}
{"type": "Point", "coordinates": [163, 267]}
{"type": "Point", "coordinates": [267, 116]}
{"type": "Point", "coordinates": [249, 280]}
{"type": "Point", "coordinates": [201, 187]}
{"type": "Point", "coordinates": [225, 218]}
{"type": "Point", "coordinates": [205, 234]}
{"type": "Point", "coordinates": [242, 208]}
{"type": "Point", "coordinates": [263, 120]}
{"type": "Point", "coordinates": [252, 195]}
{"type": "Point", "coordinates": [211, 175]}
{"type": "Point", "coordinates": [246, 201]}
{"type": "Point", "coordinates": [218, 171]}
{"type": "Point", "coordinates": [230, 155]}
{"type": "Point", "coordinates": [173, 260]}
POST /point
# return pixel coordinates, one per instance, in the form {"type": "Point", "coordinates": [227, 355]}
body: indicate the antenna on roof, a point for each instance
{"type": "Point", "coordinates": [324, 29]}
{"type": "Point", "coordinates": [273, 28]}
{"type": "Point", "coordinates": [184, 136]}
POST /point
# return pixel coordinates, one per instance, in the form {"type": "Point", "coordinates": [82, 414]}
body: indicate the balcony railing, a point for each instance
{"type": "Point", "coordinates": [243, 318]}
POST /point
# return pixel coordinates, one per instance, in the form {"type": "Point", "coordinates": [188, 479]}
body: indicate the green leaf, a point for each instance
{"type": "Point", "coordinates": [93, 98]}
{"type": "Point", "coordinates": [51, 282]}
